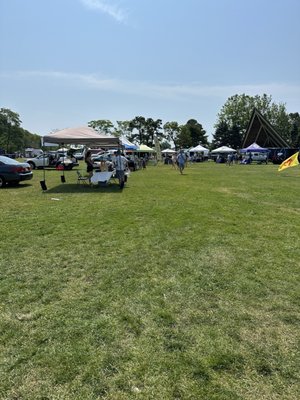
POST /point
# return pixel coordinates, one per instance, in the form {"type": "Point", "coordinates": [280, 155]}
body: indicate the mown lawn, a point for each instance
{"type": "Point", "coordinates": [178, 287]}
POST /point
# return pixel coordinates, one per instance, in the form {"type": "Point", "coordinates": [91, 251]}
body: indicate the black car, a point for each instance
{"type": "Point", "coordinates": [13, 171]}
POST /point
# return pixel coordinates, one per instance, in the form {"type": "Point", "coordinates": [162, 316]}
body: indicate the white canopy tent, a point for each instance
{"type": "Point", "coordinates": [223, 149]}
{"type": "Point", "coordinates": [168, 151]}
{"type": "Point", "coordinates": [199, 149]}
{"type": "Point", "coordinates": [82, 135]}
{"type": "Point", "coordinates": [143, 148]}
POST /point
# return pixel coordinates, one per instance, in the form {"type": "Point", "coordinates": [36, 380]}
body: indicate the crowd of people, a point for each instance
{"type": "Point", "coordinates": [120, 163]}
{"type": "Point", "coordinates": [117, 162]}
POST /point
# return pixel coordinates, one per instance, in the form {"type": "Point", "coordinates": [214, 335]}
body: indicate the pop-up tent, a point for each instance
{"type": "Point", "coordinates": [223, 149]}
{"type": "Point", "coordinates": [82, 135]}
{"type": "Point", "coordinates": [254, 148]}
{"type": "Point", "coordinates": [199, 149]}
{"type": "Point", "coordinates": [168, 151]}
{"type": "Point", "coordinates": [127, 144]}
{"type": "Point", "coordinates": [145, 149]}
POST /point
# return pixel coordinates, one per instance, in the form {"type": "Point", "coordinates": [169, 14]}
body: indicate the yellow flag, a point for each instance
{"type": "Point", "coordinates": [289, 162]}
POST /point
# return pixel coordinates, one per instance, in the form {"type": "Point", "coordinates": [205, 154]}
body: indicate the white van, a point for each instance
{"type": "Point", "coordinates": [258, 156]}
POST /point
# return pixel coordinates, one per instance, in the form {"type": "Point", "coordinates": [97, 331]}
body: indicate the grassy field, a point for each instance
{"type": "Point", "coordinates": [178, 287]}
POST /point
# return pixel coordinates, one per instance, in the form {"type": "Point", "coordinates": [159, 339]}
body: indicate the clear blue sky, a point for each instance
{"type": "Point", "coordinates": [66, 62]}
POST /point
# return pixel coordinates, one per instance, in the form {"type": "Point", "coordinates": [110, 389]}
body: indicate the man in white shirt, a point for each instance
{"type": "Point", "coordinates": [121, 164]}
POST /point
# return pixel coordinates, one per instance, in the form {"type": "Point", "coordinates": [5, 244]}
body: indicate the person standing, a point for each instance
{"type": "Point", "coordinates": [89, 164]}
{"type": "Point", "coordinates": [121, 165]}
{"type": "Point", "coordinates": [181, 158]}
{"type": "Point", "coordinates": [174, 161]}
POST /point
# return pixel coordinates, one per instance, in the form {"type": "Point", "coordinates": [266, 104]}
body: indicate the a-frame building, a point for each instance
{"type": "Point", "coordinates": [260, 131]}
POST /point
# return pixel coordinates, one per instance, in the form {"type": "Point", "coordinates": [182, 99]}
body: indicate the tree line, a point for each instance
{"type": "Point", "coordinates": [14, 138]}
{"type": "Point", "coordinates": [231, 125]}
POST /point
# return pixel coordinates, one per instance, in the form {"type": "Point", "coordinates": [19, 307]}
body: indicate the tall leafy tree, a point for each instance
{"type": "Point", "coordinates": [192, 134]}
{"type": "Point", "coordinates": [295, 129]}
{"type": "Point", "coordinates": [101, 125]}
{"type": "Point", "coordinates": [137, 127]}
{"type": "Point", "coordinates": [221, 135]}
{"type": "Point", "coordinates": [153, 128]}
{"type": "Point", "coordinates": [171, 131]}
{"type": "Point", "coordinates": [225, 136]}
{"type": "Point", "coordinates": [234, 137]}
{"type": "Point", "coordinates": [10, 132]}
{"type": "Point", "coordinates": [13, 137]}
{"type": "Point", "coordinates": [143, 130]}
{"type": "Point", "coordinates": [237, 110]}
{"type": "Point", "coordinates": [122, 129]}
{"type": "Point", "coordinates": [184, 139]}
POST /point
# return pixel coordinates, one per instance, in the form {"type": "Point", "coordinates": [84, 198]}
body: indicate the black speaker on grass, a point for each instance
{"type": "Point", "coordinates": [43, 185]}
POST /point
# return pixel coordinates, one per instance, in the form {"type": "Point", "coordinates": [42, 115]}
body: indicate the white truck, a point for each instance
{"type": "Point", "coordinates": [52, 160]}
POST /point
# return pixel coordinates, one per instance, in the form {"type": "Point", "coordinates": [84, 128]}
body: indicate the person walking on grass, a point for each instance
{"type": "Point", "coordinates": [174, 161]}
{"type": "Point", "coordinates": [181, 159]}
{"type": "Point", "coordinates": [121, 164]}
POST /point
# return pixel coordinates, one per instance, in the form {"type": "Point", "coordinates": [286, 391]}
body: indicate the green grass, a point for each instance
{"type": "Point", "coordinates": [178, 287]}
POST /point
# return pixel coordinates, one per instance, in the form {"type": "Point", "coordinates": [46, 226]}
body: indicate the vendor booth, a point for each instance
{"type": "Point", "coordinates": [198, 153]}
{"type": "Point", "coordinates": [83, 135]}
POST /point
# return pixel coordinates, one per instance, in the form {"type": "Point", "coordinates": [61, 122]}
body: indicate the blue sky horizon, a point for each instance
{"type": "Point", "coordinates": [66, 62]}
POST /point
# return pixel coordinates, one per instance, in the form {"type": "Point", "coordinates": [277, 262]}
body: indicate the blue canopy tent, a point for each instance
{"type": "Point", "coordinates": [127, 145]}
{"type": "Point", "coordinates": [254, 147]}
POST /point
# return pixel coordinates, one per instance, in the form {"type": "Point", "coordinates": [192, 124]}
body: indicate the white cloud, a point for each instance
{"type": "Point", "coordinates": [173, 92]}
{"type": "Point", "coordinates": [107, 8]}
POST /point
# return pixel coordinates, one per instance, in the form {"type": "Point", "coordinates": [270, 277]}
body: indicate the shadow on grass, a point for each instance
{"type": "Point", "coordinates": [76, 188]}
{"type": "Point", "coordinates": [16, 186]}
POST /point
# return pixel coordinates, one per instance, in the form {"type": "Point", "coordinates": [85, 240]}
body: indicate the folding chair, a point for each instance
{"type": "Point", "coordinates": [82, 179]}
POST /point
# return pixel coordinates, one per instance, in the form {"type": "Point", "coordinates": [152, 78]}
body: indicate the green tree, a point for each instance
{"type": "Point", "coordinates": [220, 137]}
{"type": "Point", "coordinates": [184, 139]}
{"type": "Point", "coordinates": [165, 145]}
{"type": "Point", "coordinates": [13, 138]}
{"type": "Point", "coordinates": [10, 133]}
{"type": "Point", "coordinates": [237, 110]}
{"type": "Point", "coordinates": [153, 128]}
{"type": "Point", "coordinates": [137, 127]}
{"type": "Point", "coordinates": [102, 125]}
{"type": "Point", "coordinates": [143, 130]}
{"type": "Point", "coordinates": [171, 131]}
{"type": "Point", "coordinates": [225, 136]}
{"type": "Point", "coordinates": [295, 129]}
{"type": "Point", "coordinates": [192, 134]}
{"type": "Point", "coordinates": [122, 129]}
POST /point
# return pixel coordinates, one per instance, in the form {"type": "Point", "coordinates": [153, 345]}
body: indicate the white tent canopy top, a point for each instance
{"type": "Point", "coordinates": [81, 135]}
{"type": "Point", "coordinates": [254, 147]}
{"type": "Point", "coordinates": [199, 149]}
{"type": "Point", "coordinates": [143, 148]}
{"type": "Point", "coordinates": [223, 149]}
{"type": "Point", "coordinates": [168, 151]}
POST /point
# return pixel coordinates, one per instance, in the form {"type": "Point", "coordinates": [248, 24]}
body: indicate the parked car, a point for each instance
{"type": "Point", "coordinates": [258, 157]}
{"type": "Point", "coordinates": [78, 156]}
{"type": "Point", "coordinates": [52, 159]}
{"type": "Point", "coordinates": [13, 171]}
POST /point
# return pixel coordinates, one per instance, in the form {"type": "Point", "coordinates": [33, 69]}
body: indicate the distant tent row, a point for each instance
{"type": "Point", "coordinates": [259, 133]}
